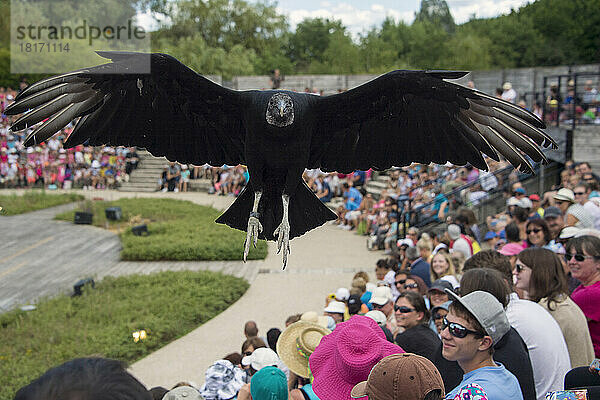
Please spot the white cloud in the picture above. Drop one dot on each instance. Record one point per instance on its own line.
(462, 10)
(355, 19)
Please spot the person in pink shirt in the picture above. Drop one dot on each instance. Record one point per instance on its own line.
(583, 259)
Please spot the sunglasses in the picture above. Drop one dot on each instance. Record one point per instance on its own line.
(437, 316)
(247, 353)
(410, 286)
(578, 193)
(534, 230)
(578, 257)
(403, 309)
(401, 282)
(377, 306)
(457, 330)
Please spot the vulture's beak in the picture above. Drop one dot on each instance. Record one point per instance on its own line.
(281, 111)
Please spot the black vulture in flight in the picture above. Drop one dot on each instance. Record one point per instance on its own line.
(396, 119)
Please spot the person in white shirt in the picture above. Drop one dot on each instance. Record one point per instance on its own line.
(581, 193)
(539, 330)
(509, 93)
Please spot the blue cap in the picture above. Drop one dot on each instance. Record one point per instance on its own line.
(490, 235)
(520, 190)
(270, 383)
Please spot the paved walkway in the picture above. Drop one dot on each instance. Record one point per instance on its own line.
(321, 261)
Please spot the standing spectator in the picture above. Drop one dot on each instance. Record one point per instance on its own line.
(386, 381)
(536, 326)
(185, 178)
(413, 316)
(583, 258)
(276, 79)
(539, 273)
(475, 323)
(508, 93)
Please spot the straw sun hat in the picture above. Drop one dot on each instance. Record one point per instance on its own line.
(297, 342)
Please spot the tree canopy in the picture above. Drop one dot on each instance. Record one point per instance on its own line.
(244, 37)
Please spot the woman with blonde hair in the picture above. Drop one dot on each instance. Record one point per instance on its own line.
(442, 267)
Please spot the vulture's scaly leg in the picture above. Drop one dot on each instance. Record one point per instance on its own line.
(283, 231)
(254, 225)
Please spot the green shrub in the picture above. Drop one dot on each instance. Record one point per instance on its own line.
(101, 321)
(178, 230)
(34, 200)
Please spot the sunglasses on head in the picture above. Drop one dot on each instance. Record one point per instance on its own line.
(457, 330)
(403, 309)
(534, 230)
(400, 282)
(578, 257)
(410, 286)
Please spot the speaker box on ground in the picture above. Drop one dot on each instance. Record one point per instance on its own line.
(83, 217)
(113, 213)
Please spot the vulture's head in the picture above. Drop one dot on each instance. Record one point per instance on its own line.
(280, 110)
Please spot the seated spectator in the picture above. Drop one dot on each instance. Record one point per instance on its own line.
(437, 293)
(582, 192)
(536, 326)
(383, 301)
(355, 306)
(576, 215)
(583, 258)
(459, 241)
(413, 316)
(336, 310)
(261, 358)
(539, 273)
(85, 379)
(334, 363)
(222, 381)
(272, 337)
(250, 329)
(269, 383)
(475, 323)
(438, 314)
(418, 266)
(386, 381)
(296, 343)
(185, 392)
(442, 267)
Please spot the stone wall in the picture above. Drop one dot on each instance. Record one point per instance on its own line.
(526, 81)
(586, 145)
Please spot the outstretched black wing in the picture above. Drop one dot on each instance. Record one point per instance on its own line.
(172, 111)
(416, 116)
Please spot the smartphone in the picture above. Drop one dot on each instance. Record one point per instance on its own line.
(567, 395)
(595, 364)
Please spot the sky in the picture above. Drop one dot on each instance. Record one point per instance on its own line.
(360, 15)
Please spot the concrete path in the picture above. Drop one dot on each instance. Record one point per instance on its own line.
(321, 261)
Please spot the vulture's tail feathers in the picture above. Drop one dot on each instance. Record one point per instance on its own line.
(306, 212)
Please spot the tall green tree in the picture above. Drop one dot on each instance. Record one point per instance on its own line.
(436, 12)
(310, 41)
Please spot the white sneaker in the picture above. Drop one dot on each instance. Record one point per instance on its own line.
(176, 190)
(164, 190)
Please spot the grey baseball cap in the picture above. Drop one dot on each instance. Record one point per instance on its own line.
(487, 310)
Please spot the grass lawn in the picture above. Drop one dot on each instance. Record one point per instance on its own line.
(166, 305)
(178, 230)
(34, 200)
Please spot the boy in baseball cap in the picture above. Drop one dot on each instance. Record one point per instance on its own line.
(474, 323)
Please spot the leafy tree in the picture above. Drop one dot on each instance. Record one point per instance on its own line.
(436, 12)
(310, 41)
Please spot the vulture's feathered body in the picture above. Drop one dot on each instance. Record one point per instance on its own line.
(396, 119)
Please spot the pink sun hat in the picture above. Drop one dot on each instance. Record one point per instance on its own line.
(346, 356)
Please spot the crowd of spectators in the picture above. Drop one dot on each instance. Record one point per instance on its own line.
(51, 166)
(524, 325)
